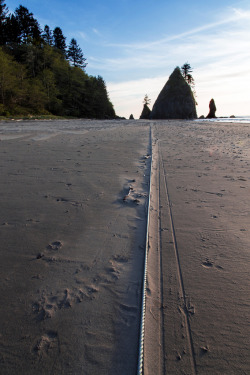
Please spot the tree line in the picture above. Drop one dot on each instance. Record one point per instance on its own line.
(40, 74)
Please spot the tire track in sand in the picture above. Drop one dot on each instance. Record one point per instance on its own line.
(178, 342)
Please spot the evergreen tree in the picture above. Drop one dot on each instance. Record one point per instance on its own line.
(75, 55)
(29, 29)
(186, 71)
(146, 100)
(59, 40)
(12, 31)
(3, 10)
(3, 16)
(47, 35)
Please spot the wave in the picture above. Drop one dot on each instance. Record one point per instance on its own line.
(237, 119)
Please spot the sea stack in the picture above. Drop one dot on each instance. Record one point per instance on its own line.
(212, 109)
(176, 100)
(146, 112)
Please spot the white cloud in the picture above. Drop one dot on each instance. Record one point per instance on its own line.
(95, 31)
(82, 35)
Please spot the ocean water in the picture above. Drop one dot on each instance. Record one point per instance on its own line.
(239, 119)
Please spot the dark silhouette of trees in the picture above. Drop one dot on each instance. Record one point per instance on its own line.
(186, 71)
(59, 40)
(146, 100)
(3, 16)
(28, 27)
(75, 55)
(3, 10)
(47, 35)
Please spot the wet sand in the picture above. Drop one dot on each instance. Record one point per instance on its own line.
(73, 221)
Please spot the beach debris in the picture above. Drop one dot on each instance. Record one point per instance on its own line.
(212, 109)
(204, 349)
(178, 357)
(127, 195)
(39, 256)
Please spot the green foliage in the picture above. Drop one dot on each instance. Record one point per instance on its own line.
(36, 77)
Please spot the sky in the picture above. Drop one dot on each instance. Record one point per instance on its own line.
(136, 44)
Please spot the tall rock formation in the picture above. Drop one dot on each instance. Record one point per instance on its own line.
(146, 112)
(176, 100)
(212, 109)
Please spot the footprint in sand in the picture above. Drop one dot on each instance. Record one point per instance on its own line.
(46, 307)
(207, 264)
(47, 343)
(127, 314)
(56, 245)
(116, 265)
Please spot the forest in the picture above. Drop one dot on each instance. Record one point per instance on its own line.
(41, 75)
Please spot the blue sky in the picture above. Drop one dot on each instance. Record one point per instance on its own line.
(135, 45)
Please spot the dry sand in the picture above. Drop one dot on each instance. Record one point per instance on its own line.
(73, 222)
(200, 247)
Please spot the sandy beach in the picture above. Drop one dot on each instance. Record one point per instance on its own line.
(74, 197)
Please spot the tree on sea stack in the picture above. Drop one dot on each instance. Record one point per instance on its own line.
(186, 71)
(176, 99)
(146, 111)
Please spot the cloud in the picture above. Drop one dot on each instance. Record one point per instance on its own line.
(95, 31)
(82, 35)
(232, 16)
(219, 53)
